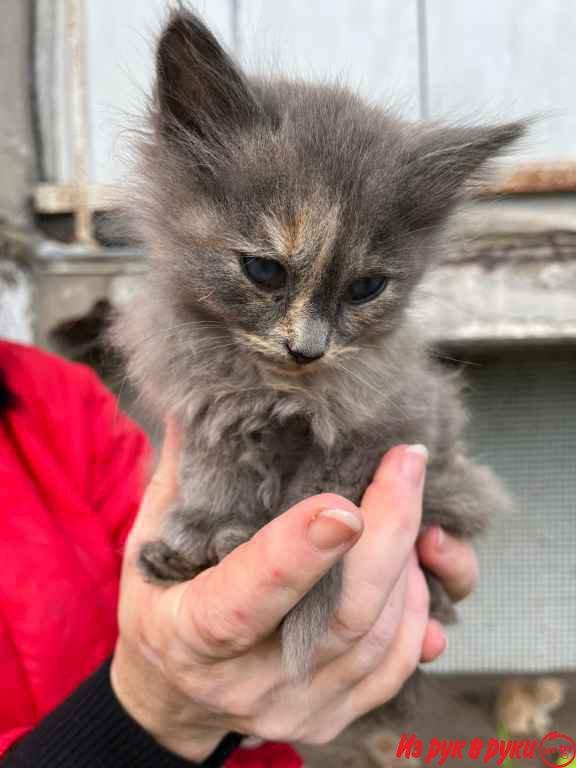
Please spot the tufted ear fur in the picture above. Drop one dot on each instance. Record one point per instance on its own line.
(200, 92)
(439, 163)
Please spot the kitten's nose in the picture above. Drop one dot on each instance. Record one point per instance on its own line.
(303, 358)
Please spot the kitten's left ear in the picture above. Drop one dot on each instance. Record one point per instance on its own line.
(199, 88)
(441, 163)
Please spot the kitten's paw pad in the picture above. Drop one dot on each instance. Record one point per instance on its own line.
(160, 564)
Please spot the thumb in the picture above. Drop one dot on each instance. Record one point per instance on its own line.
(161, 492)
(229, 608)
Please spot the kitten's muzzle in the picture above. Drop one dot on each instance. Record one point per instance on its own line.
(309, 338)
(303, 357)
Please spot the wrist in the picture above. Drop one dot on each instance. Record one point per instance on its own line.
(167, 714)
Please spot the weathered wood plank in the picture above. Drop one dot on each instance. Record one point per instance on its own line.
(495, 289)
(120, 40)
(62, 198)
(540, 177)
(369, 44)
(503, 59)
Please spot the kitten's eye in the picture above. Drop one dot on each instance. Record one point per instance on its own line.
(265, 273)
(365, 289)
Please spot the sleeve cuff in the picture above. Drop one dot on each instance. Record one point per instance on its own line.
(92, 729)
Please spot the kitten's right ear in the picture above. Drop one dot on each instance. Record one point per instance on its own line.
(199, 89)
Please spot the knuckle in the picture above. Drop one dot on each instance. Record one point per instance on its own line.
(239, 704)
(220, 634)
(204, 690)
(287, 728)
(380, 636)
(274, 731)
(348, 631)
(322, 736)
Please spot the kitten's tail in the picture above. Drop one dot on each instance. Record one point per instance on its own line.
(308, 621)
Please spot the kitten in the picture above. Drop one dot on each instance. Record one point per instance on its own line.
(287, 227)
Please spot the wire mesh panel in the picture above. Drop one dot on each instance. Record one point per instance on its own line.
(523, 424)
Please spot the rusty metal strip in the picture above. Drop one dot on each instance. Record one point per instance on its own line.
(538, 177)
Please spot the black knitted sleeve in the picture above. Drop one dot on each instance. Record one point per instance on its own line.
(92, 730)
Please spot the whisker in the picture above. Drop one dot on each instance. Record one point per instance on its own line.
(442, 356)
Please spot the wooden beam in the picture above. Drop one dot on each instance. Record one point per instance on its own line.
(63, 198)
(539, 177)
(527, 179)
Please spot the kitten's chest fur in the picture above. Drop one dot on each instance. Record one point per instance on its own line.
(272, 448)
(265, 436)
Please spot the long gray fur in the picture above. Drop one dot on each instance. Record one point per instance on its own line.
(334, 189)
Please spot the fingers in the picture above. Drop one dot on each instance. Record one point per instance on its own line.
(392, 509)
(367, 653)
(452, 560)
(227, 609)
(404, 653)
(434, 643)
(161, 491)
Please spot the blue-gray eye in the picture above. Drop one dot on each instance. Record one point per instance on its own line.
(365, 289)
(265, 273)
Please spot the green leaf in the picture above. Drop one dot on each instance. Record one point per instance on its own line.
(503, 735)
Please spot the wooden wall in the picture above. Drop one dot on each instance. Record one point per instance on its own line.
(463, 59)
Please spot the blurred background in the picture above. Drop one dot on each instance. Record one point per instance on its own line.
(74, 75)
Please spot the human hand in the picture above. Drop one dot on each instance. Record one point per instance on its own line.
(452, 560)
(201, 658)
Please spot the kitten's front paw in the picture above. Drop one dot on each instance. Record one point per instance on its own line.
(160, 564)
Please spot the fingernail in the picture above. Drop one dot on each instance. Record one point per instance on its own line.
(331, 528)
(439, 539)
(414, 462)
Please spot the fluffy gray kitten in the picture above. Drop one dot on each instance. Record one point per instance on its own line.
(287, 227)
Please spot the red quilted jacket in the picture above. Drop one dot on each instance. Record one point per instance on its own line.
(71, 476)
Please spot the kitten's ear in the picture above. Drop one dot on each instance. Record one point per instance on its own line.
(443, 163)
(199, 89)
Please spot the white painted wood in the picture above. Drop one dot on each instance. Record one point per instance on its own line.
(492, 59)
(513, 302)
(63, 198)
(371, 45)
(120, 59)
(503, 59)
